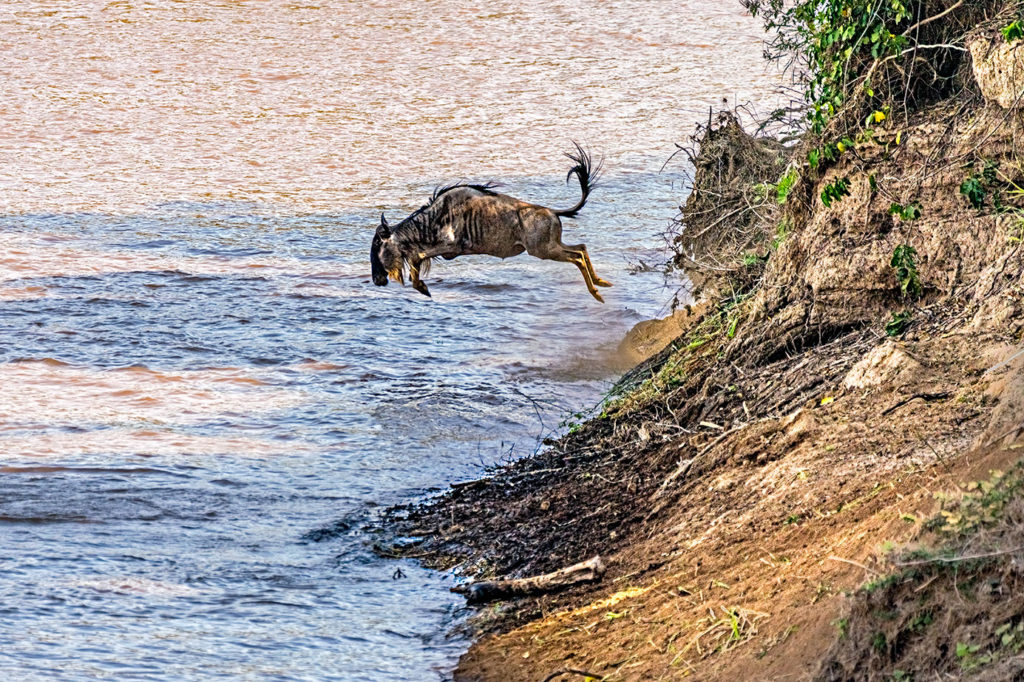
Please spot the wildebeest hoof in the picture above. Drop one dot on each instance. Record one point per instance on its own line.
(422, 288)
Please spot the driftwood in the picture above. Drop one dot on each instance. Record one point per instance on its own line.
(587, 571)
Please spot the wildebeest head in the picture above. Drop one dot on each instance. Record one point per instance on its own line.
(385, 257)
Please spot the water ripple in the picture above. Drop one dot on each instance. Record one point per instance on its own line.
(204, 395)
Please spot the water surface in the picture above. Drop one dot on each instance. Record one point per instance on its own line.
(203, 395)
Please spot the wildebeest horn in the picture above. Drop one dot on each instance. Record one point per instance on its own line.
(384, 231)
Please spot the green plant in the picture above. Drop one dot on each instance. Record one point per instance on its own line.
(734, 624)
(974, 191)
(879, 643)
(785, 184)
(1013, 31)
(1011, 637)
(722, 321)
(835, 191)
(781, 232)
(898, 324)
(1016, 235)
(884, 582)
(977, 185)
(814, 158)
(980, 505)
(573, 421)
(921, 621)
(750, 260)
(969, 658)
(911, 211)
(906, 271)
(990, 172)
(836, 42)
(843, 625)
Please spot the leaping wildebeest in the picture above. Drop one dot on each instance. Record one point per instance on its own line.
(465, 219)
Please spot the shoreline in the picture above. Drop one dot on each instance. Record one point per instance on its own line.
(749, 486)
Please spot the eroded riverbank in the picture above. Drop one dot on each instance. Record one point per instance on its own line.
(746, 481)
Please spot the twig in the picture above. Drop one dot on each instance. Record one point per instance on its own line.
(1015, 428)
(925, 396)
(588, 571)
(931, 19)
(853, 563)
(934, 451)
(937, 46)
(684, 468)
(957, 559)
(1005, 362)
(571, 671)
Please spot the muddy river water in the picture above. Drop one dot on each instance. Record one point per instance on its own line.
(202, 395)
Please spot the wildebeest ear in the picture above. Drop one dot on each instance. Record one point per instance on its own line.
(384, 231)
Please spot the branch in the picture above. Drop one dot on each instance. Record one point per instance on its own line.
(571, 671)
(588, 571)
(931, 19)
(927, 397)
(955, 559)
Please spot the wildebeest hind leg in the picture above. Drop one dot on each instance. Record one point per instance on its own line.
(577, 260)
(561, 253)
(582, 250)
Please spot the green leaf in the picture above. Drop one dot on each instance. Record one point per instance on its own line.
(898, 324)
(1013, 31)
(785, 184)
(974, 191)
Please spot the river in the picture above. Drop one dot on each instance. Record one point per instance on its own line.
(203, 396)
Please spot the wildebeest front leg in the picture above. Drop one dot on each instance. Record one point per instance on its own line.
(414, 277)
(582, 250)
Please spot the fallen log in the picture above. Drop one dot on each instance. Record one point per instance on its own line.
(587, 571)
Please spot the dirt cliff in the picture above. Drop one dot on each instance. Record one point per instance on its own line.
(746, 483)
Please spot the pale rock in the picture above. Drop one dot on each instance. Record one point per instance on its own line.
(886, 364)
(999, 70)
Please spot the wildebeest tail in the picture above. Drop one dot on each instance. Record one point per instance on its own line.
(587, 171)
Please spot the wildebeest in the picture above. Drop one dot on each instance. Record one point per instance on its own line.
(474, 219)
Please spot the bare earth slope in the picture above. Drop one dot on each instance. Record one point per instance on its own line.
(753, 476)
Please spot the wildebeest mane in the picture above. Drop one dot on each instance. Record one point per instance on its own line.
(439, 191)
(486, 188)
(420, 218)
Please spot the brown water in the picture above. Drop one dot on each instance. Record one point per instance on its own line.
(203, 395)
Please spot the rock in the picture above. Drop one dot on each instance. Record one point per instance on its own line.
(886, 364)
(999, 70)
(649, 337)
(1006, 388)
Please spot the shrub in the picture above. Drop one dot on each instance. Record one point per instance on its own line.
(906, 271)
